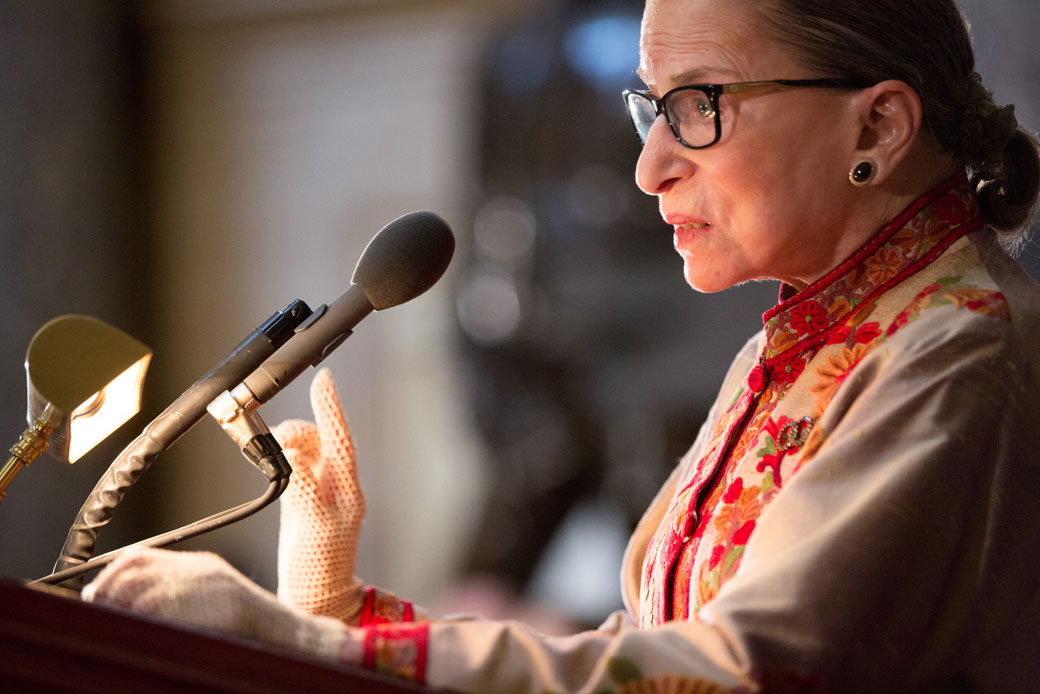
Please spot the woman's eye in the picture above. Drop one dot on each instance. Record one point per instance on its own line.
(705, 111)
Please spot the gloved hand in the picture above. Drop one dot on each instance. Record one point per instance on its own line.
(322, 510)
(203, 589)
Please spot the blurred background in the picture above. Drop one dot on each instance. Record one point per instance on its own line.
(184, 169)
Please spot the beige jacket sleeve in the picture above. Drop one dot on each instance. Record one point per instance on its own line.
(900, 558)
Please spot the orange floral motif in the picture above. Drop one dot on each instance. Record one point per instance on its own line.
(707, 587)
(962, 297)
(993, 305)
(884, 265)
(862, 311)
(982, 301)
(839, 307)
(783, 340)
(712, 500)
(770, 393)
(907, 239)
(834, 371)
(746, 439)
(934, 233)
(742, 505)
(856, 277)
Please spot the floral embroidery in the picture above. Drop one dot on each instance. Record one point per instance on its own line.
(782, 341)
(716, 555)
(867, 333)
(771, 455)
(908, 243)
(945, 291)
(839, 307)
(907, 240)
(835, 369)
(380, 607)
(787, 369)
(861, 335)
(808, 318)
(950, 208)
(884, 265)
(742, 506)
(981, 301)
(397, 649)
(827, 328)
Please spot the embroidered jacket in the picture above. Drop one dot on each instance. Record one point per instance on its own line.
(857, 514)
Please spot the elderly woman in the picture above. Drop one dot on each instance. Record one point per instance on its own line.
(857, 514)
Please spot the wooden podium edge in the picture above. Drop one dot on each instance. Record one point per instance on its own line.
(52, 643)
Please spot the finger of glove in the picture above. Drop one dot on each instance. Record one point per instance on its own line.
(299, 438)
(337, 480)
(302, 448)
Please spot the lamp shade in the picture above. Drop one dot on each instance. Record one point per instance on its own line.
(84, 380)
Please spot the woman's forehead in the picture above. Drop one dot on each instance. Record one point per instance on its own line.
(687, 41)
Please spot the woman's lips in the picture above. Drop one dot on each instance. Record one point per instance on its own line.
(687, 230)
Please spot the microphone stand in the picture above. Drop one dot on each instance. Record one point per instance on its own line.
(278, 471)
(403, 260)
(162, 432)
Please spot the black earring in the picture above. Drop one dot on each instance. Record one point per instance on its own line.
(863, 173)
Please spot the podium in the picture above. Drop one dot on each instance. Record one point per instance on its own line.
(54, 643)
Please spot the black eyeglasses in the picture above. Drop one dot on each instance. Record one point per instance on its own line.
(692, 111)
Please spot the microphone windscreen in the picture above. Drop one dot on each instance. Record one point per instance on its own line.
(404, 259)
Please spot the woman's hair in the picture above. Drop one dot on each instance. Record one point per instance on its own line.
(926, 44)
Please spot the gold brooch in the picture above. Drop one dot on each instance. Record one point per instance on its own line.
(794, 434)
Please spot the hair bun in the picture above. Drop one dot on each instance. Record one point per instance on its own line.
(986, 130)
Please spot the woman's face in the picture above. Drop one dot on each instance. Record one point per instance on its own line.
(770, 198)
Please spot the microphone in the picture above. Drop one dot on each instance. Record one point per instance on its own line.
(401, 262)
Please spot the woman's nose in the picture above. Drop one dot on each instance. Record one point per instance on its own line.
(661, 164)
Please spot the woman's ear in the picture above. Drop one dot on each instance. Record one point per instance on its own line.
(890, 114)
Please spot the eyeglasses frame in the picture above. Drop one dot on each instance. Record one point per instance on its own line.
(712, 91)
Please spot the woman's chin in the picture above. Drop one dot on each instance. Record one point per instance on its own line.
(706, 278)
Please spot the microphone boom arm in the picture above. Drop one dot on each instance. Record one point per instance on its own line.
(167, 428)
(264, 453)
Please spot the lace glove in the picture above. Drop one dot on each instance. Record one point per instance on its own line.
(203, 589)
(322, 510)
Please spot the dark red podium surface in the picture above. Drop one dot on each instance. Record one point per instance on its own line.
(53, 643)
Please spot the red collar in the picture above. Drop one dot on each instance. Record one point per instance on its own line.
(908, 243)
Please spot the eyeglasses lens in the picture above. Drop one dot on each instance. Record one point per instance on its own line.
(689, 110)
(642, 113)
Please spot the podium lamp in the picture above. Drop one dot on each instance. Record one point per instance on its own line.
(84, 380)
